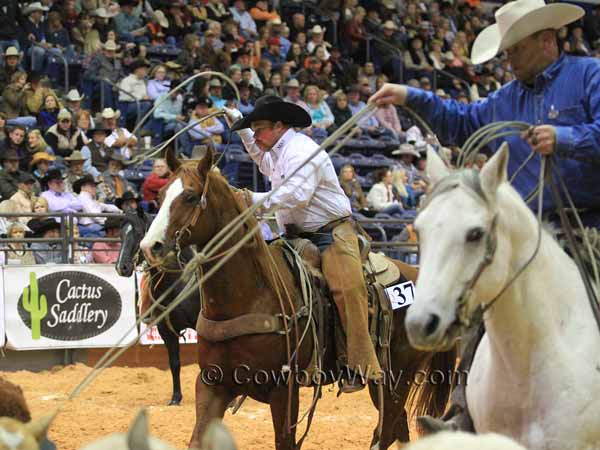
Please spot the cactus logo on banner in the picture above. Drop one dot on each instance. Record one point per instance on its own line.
(69, 306)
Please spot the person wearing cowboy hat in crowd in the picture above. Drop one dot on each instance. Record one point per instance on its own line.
(17, 252)
(59, 200)
(247, 100)
(128, 24)
(314, 204)
(63, 137)
(557, 93)
(316, 38)
(35, 30)
(108, 252)
(15, 142)
(135, 85)
(129, 203)
(215, 93)
(11, 22)
(120, 140)
(37, 90)
(10, 174)
(75, 169)
(40, 164)
(12, 56)
(73, 103)
(44, 252)
(96, 152)
(387, 47)
(293, 94)
(112, 184)
(23, 198)
(85, 188)
(208, 131)
(103, 65)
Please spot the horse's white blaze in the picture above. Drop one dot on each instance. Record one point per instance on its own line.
(536, 373)
(158, 229)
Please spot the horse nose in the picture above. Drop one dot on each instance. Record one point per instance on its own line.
(421, 329)
(431, 324)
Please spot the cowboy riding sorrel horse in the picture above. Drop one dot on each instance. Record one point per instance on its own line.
(234, 354)
(536, 373)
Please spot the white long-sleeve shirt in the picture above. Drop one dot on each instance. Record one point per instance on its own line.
(92, 206)
(311, 198)
(135, 86)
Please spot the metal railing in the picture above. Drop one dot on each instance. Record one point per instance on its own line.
(55, 55)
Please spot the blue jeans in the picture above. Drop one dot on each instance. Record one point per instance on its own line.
(25, 121)
(395, 210)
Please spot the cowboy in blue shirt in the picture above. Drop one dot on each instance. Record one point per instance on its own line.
(558, 94)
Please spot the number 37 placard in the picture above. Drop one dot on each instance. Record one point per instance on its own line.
(401, 295)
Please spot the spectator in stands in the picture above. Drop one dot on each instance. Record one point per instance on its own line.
(273, 53)
(24, 196)
(39, 87)
(190, 58)
(383, 197)
(128, 25)
(73, 101)
(17, 252)
(85, 187)
(292, 89)
(388, 118)
(312, 74)
(14, 105)
(108, 252)
(355, 35)
(135, 85)
(75, 169)
(40, 205)
(370, 125)
(63, 137)
(209, 131)
(388, 50)
(154, 183)
(416, 61)
(407, 156)
(437, 56)
(37, 144)
(485, 85)
(216, 10)
(352, 188)
(59, 200)
(296, 56)
(58, 42)
(78, 253)
(246, 103)
(244, 19)
(260, 12)
(40, 164)
(316, 38)
(245, 62)
(15, 142)
(48, 114)
(159, 83)
(170, 115)
(320, 113)
(340, 110)
(208, 54)
(129, 203)
(215, 90)
(112, 184)
(103, 65)
(83, 123)
(120, 140)
(34, 29)
(96, 152)
(44, 252)
(12, 57)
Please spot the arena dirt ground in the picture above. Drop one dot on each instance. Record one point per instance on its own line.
(111, 402)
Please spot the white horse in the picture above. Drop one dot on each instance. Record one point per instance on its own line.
(536, 373)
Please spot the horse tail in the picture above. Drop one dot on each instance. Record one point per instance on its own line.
(432, 385)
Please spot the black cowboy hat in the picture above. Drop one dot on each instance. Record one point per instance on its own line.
(203, 101)
(125, 198)
(25, 177)
(139, 63)
(99, 129)
(39, 227)
(116, 156)
(52, 174)
(86, 179)
(112, 222)
(275, 109)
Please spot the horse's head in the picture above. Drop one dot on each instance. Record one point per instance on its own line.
(195, 204)
(463, 257)
(132, 233)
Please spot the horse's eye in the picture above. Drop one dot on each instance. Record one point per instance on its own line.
(475, 234)
(190, 196)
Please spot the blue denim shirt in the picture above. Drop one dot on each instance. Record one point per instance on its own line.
(566, 95)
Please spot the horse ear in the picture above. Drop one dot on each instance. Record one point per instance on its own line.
(39, 427)
(172, 160)
(206, 163)
(137, 437)
(218, 436)
(436, 168)
(494, 172)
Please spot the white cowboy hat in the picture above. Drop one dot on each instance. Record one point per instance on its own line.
(109, 113)
(406, 149)
(12, 51)
(161, 19)
(517, 20)
(35, 6)
(103, 13)
(390, 25)
(317, 29)
(75, 96)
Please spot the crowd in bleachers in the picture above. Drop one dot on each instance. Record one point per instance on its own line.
(77, 76)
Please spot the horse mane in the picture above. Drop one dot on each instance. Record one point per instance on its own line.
(219, 188)
(466, 177)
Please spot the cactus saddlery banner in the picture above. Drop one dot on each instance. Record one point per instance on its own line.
(67, 306)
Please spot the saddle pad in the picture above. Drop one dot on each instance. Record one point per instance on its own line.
(385, 271)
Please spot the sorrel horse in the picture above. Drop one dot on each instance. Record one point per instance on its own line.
(536, 373)
(182, 317)
(247, 284)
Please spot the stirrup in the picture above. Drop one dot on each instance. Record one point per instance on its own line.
(350, 382)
